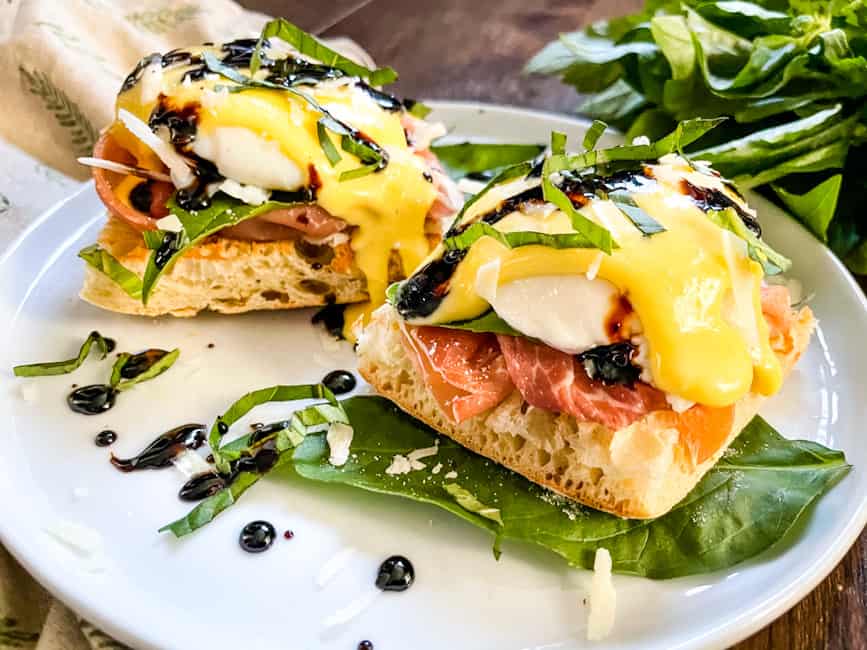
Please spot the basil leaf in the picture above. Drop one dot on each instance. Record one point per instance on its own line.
(465, 158)
(391, 293)
(772, 262)
(119, 363)
(223, 212)
(593, 134)
(65, 367)
(104, 262)
(212, 506)
(155, 370)
(747, 503)
(489, 322)
(358, 172)
(816, 207)
(327, 145)
(793, 75)
(515, 239)
(416, 108)
(639, 218)
(154, 238)
(598, 236)
(309, 45)
(468, 501)
(558, 143)
(509, 173)
(684, 134)
(246, 403)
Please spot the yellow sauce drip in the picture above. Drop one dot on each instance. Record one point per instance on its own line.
(680, 282)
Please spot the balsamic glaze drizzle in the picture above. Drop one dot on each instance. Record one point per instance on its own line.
(257, 536)
(141, 362)
(395, 574)
(105, 438)
(339, 381)
(611, 364)
(93, 399)
(164, 448)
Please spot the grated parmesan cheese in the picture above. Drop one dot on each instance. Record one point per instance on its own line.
(339, 439)
(603, 598)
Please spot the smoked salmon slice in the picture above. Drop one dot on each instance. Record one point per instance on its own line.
(465, 371)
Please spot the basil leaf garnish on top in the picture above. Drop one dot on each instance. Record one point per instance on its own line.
(685, 133)
(558, 143)
(104, 262)
(595, 234)
(327, 145)
(104, 345)
(223, 212)
(351, 141)
(282, 393)
(515, 239)
(772, 262)
(639, 218)
(509, 173)
(594, 133)
(309, 45)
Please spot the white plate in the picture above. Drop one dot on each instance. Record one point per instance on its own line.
(203, 591)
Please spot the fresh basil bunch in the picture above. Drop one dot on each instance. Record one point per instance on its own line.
(791, 76)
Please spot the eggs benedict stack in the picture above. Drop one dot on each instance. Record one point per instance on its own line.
(597, 322)
(263, 174)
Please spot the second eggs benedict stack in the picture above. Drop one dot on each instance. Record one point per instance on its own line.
(598, 322)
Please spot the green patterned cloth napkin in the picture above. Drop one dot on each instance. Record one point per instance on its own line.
(61, 65)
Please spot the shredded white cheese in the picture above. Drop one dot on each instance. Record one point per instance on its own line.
(400, 464)
(436, 468)
(451, 475)
(641, 139)
(120, 168)
(249, 194)
(593, 269)
(603, 598)
(171, 223)
(677, 403)
(469, 186)
(29, 391)
(182, 175)
(151, 82)
(339, 439)
(189, 463)
(424, 452)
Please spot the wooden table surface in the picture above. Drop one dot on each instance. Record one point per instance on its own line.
(475, 49)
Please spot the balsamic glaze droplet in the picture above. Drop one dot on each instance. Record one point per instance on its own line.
(141, 362)
(141, 197)
(105, 438)
(365, 645)
(92, 399)
(201, 486)
(222, 428)
(110, 344)
(395, 574)
(257, 536)
(288, 534)
(339, 381)
(161, 451)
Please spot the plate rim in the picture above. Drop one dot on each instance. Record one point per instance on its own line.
(725, 633)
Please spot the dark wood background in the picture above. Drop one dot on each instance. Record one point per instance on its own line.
(475, 49)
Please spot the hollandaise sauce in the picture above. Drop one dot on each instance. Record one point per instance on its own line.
(269, 141)
(693, 285)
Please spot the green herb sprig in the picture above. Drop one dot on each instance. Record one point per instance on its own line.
(46, 368)
(790, 76)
